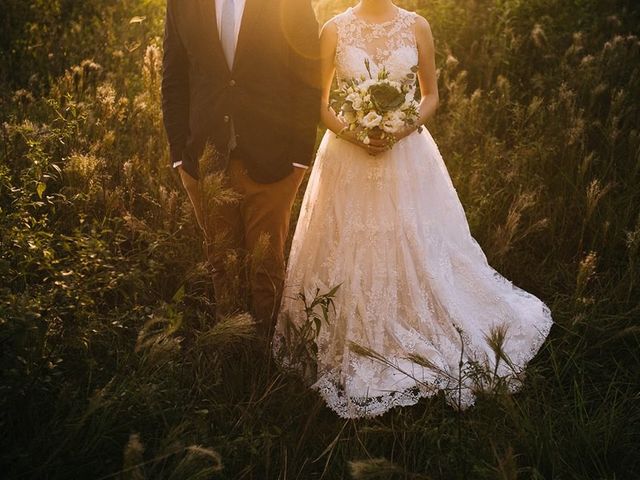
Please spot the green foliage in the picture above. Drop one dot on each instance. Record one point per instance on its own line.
(299, 349)
(111, 362)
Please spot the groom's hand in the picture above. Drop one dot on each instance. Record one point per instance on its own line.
(192, 187)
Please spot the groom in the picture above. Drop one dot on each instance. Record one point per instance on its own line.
(243, 77)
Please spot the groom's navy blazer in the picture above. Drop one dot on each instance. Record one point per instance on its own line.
(272, 93)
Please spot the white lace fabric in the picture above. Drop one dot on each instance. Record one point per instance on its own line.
(416, 289)
(390, 44)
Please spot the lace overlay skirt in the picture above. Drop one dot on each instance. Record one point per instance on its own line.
(417, 300)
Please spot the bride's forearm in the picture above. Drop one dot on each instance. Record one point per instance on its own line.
(330, 119)
(427, 108)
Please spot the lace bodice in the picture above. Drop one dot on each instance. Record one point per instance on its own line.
(390, 44)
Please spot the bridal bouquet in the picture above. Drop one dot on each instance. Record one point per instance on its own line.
(376, 107)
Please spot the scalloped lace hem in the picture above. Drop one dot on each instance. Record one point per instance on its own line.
(459, 397)
(346, 406)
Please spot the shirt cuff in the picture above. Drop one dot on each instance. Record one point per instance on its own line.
(299, 165)
(177, 164)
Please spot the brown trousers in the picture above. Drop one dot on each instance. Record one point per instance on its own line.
(257, 225)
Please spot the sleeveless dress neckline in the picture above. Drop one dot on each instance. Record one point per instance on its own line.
(374, 24)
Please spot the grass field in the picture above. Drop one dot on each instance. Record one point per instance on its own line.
(111, 365)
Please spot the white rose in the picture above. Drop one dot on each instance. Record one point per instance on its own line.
(393, 122)
(355, 100)
(371, 120)
(409, 99)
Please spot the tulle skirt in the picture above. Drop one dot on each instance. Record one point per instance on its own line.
(417, 309)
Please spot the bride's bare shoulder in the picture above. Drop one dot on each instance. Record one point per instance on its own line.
(338, 19)
(420, 21)
(330, 24)
(422, 24)
(422, 28)
(330, 28)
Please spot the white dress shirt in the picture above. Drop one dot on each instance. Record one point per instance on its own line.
(239, 4)
(238, 16)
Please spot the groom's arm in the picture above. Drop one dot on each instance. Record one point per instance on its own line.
(175, 91)
(175, 109)
(301, 30)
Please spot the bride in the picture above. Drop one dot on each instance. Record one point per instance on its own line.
(417, 308)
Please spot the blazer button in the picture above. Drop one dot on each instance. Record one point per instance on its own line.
(226, 119)
(232, 83)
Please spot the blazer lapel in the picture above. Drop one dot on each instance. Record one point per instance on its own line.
(251, 14)
(212, 38)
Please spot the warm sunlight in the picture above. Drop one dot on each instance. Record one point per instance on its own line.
(234, 248)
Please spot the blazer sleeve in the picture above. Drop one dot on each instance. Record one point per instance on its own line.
(175, 88)
(304, 62)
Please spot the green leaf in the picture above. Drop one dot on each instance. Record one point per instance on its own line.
(41, 188)
(368, 66)
(179, 295)
(333, 291)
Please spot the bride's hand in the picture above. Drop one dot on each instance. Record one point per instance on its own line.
(375, 146)
(405, 132)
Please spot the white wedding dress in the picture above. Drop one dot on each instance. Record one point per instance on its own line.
(415, 287)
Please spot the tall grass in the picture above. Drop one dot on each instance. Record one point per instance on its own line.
(112, 364)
